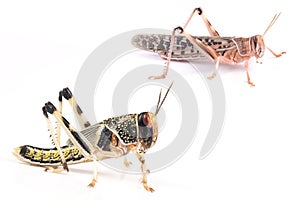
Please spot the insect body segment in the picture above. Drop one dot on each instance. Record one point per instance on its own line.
(125, 126)
(111, 138)
(48, 157)
(230, 50)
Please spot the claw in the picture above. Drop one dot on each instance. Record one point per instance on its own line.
(251, 84)
(212, 76)
(93, 183)
(149, 189)
(55, 170)
(278, 55)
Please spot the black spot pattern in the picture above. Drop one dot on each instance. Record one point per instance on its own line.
(125, 127)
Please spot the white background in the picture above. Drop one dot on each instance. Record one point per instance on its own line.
(43, 45)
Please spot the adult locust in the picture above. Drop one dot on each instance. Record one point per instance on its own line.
(230, 50)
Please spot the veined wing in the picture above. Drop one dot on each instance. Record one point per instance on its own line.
(183, 48)
(125, 128)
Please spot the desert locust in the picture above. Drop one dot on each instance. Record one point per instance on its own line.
(230, 50)
(110, 138)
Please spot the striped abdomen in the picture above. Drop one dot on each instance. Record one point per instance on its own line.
(48, 156)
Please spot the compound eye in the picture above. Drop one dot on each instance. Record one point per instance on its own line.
(146, 119)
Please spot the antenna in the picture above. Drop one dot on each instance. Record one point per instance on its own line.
(272, 23)
(159, 104)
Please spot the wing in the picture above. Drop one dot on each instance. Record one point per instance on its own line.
(183, 48)
(159, 43)
(125, 128)
(93, 133)
(112, 130)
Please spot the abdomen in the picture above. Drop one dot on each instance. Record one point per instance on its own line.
(48, 156)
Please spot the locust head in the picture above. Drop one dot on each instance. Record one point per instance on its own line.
(258, 46)
(257, 41)
(148, 129)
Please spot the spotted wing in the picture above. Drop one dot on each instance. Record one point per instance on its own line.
(125, 128)
(183, 48)
(121, 129)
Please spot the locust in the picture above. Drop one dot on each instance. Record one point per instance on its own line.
(182, 46)
(110, 138)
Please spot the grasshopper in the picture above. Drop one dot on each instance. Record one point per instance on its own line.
(230, 50)
(110, 138)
